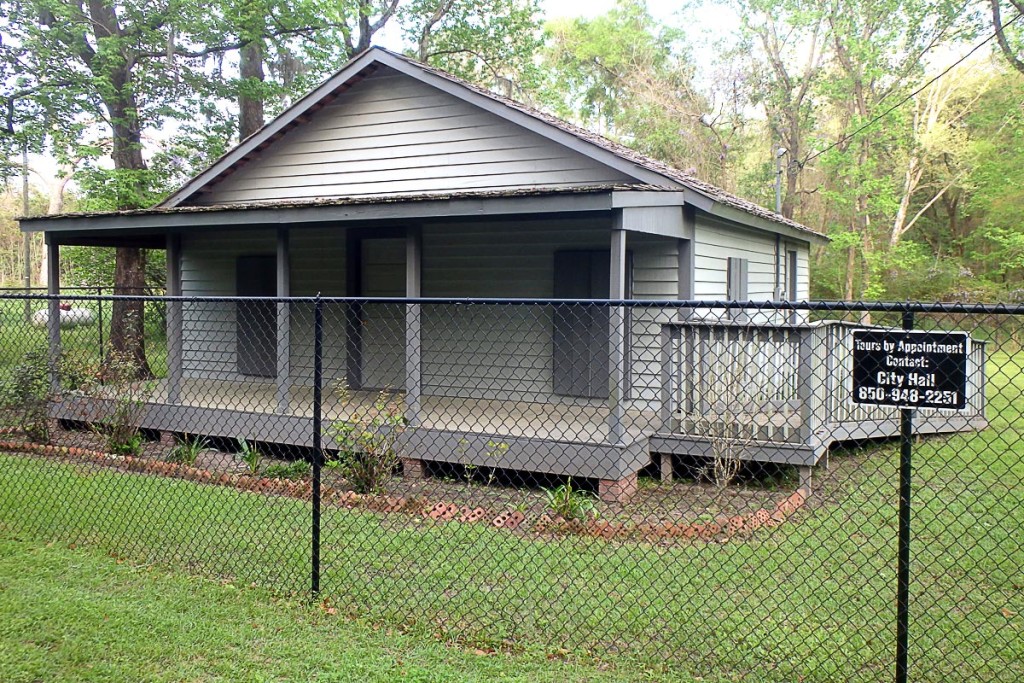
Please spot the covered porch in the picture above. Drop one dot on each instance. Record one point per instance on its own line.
(568, 388)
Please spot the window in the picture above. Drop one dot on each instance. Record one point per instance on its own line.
(736, 279)
(736, 286)
(791, 263)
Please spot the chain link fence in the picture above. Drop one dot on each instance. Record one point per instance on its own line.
(728, 490)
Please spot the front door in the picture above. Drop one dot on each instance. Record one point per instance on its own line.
(580, 350)
(256, 321)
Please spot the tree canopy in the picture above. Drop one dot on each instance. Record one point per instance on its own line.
(896, 123)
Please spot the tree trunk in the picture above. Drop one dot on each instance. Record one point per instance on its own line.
(127, 329)
(250, 101)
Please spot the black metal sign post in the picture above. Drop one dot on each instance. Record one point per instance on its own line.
(903, 550)
(318, 374)
(909, 370)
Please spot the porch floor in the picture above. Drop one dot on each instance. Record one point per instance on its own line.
(558, 419)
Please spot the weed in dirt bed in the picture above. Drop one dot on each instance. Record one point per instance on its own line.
(571, 504)
(251, 456)
(187, 450)
(298, 469)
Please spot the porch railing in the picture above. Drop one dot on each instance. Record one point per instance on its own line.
(775, 382)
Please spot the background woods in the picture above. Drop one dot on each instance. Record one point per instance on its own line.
(896, 125)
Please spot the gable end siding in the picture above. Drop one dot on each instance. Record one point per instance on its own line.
(391, 134)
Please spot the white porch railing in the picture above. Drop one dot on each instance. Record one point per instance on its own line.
(780, 383)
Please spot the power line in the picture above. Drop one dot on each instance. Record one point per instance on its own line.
(912, 95)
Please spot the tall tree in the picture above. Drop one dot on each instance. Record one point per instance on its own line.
(115, 62)
(879, 48)
(630, 78)
(791, 38)
(1008, 31)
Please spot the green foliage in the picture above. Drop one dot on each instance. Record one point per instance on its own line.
(251, 456)
(187, 450)
(631, 78)
(571, 504)
(25, 394)
(490, 42)
(366, 442)
(126, 396)
(298, 469)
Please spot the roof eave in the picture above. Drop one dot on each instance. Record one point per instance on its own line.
(736, 215)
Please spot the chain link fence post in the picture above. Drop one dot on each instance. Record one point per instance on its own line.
(903, 558)
(318, 377)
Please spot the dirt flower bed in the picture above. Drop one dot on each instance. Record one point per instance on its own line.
(681, 511)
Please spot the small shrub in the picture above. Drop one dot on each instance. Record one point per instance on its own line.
(119, 385)
(25, 393)
(571, 504)
(366, 443)
(127, 445)
(187, 451)
(251, 456)
(299, 469)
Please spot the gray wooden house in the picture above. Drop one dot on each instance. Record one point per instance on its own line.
(393, 179)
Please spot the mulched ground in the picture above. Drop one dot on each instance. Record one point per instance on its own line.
(685, 500)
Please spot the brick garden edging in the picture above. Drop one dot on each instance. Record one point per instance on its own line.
(719, 530)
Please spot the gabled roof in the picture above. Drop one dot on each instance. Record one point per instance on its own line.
(643, 169)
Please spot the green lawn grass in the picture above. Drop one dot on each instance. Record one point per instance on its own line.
(813, 600)
(76, 615)
(81, 344)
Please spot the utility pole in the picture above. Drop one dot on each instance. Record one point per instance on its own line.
(26, 237)
(779, 153)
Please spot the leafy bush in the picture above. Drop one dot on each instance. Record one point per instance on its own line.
(127, 395)
(571, 504)
(26, 395)
(297, 469)
(251, 456)
(187, 451)
(366, 443)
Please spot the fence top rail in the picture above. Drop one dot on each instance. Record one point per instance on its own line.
(807, 305)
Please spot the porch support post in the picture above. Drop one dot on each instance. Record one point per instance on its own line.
(687, 262)
(617, 336)
(53, 308)
(284, 380)
(413, 323)
(174, 314)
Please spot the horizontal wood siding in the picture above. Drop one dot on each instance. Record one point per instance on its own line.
(208, 269)
(716, 242)
(655, 277)
(391, 134)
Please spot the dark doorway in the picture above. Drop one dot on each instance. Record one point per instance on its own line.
(382, 333)
(256, 321)
(580, 335)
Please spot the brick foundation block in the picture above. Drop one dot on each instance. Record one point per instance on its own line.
(617, 490)
(168, 439)
(413, 468)
(666, 467)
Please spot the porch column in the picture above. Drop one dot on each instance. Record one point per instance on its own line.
(284, 380)
(53, 308)
(174, 315)
(617, 336)
(687, 262)
(413, 321)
